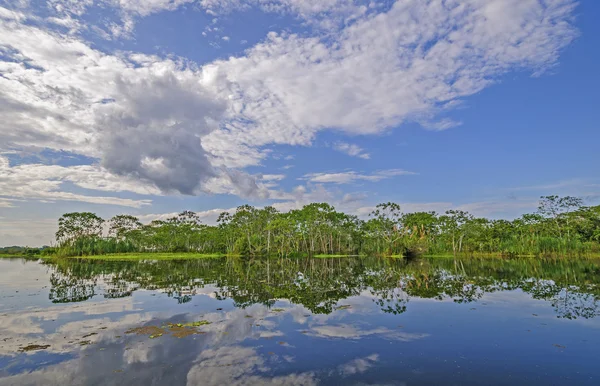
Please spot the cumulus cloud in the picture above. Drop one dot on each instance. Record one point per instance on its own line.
(181, 128)
(153, 124)
(143, 117)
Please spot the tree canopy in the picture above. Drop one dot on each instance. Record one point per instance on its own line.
(561, 226)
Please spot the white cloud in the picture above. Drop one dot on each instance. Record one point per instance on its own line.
(359, 365)
(207, 216)
(351, 176)
(351, 149)
(147, 7)
(273, 177)
(239, 365)
(6, 203)
(43, 182)
(179, 128)
(25, 326)
(74, 7)
(142, 116)
(405, 64)
(346, 331)
(323, 14)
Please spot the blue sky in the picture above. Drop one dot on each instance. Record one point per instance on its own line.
(153, 107)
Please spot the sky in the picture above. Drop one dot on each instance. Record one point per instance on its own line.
(151, 107)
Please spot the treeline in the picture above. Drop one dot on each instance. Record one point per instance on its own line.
(561, 226)
(21, 251)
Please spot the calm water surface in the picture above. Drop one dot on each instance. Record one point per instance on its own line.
(352, 321)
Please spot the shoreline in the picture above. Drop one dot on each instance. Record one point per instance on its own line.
(140, 256)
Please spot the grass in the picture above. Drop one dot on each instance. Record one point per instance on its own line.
(150, 256)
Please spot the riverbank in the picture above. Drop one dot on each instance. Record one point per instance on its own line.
(139, 256)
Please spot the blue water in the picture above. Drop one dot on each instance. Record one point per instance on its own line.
(326, 322)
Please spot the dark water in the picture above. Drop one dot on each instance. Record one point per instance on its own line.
(362, 321)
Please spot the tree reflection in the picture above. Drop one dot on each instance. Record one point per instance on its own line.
(571, 287)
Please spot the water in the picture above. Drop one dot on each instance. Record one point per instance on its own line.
(351, 321)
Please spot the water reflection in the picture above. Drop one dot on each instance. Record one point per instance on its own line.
(300, 322)
(572, 287)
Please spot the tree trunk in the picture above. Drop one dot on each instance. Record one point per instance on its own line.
(268, 241)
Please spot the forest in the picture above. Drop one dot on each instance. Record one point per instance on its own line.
(562, 226)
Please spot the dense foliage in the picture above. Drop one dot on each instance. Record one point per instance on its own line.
(561, 226)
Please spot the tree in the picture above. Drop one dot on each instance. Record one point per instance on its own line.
(386, 221)
(453, 223)
(77, 225)
(319, 228)
(553, 206)
(122, 225)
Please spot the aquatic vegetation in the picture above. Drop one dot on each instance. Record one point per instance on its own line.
(146, 330)
(177, 330)
(182, 332)
(343, 307)
(197, 324)
(34, 347)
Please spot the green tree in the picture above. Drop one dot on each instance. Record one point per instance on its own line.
(122, 225)
(77, 225)
(553, 207)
